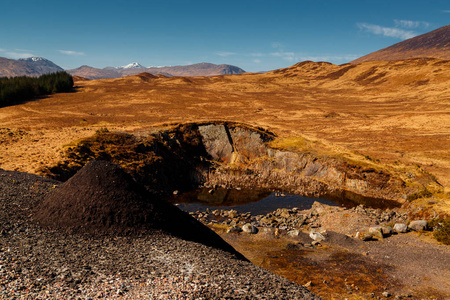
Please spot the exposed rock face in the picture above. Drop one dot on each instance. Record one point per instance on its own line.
(226, 154)
(246, 160)
(217, 142)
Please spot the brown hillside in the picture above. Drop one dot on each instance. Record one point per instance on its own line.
(435, 44)
(396, 112)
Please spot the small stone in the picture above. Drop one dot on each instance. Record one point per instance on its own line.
(376, 232)
(232, 213)
(249, 228)
(418, 225)
(308, 284)
(363, 236)
(317, 236)
(234, 229)
(386, 294)
(293, 233)
(387, 230)
(316, 243)
(318, 208)
(400, 228)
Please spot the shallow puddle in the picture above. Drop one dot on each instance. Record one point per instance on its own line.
(262, 202)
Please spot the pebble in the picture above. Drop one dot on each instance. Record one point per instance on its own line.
(316, 236)
(249, 228)
(386, 294)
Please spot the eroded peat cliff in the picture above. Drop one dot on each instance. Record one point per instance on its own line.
(227, 154)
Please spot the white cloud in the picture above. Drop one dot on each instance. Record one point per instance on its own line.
(329, 58)
(23, 50)
(387, 31)
(411, 24)
(257, 61)
(446, 11)
(16, 55)
(277, 45)
(257, 54)
(289, 56)
(69, 52)
(225, 53)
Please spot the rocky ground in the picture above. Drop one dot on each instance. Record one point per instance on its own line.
(38, 263)
(339, 253)
(336, 252)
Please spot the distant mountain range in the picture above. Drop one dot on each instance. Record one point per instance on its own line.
(202, 69)
(434, 44)
(33, 66)
(36, 66)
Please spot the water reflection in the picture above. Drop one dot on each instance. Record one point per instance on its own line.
(257, 201)
(246, 200)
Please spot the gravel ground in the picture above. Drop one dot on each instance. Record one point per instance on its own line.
(37, 263)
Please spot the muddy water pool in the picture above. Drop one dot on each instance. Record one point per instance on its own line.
(262, 201)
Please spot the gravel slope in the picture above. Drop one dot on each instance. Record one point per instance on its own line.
(38, 263)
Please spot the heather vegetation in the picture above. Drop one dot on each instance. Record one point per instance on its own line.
(17, 89)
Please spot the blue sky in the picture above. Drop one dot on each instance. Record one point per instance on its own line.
(255, 35)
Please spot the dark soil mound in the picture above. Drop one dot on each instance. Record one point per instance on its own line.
(102, 199)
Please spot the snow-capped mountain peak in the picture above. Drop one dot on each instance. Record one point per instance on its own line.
(134, 65)
(34, 58)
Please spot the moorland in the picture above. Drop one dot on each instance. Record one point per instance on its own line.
(387, 117)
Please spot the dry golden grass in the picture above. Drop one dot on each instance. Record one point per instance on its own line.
(395, 113)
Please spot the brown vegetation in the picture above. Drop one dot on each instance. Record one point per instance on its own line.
(434, 44)
(381, 113)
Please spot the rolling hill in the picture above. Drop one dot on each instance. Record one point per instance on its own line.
(434, 44)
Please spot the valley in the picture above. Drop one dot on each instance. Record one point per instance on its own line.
(377, 129)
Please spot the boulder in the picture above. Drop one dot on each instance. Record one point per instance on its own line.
(400, 228)
(418, 225)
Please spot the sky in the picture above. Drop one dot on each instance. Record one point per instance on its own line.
(256, 35)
